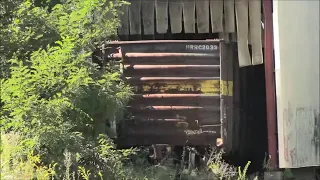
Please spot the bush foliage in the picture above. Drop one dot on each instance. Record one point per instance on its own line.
(52, 94)
(56, 104)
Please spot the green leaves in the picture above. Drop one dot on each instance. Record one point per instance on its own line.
(52, 93)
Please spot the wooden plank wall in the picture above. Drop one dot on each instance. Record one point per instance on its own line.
(234, 20)
(175, 14)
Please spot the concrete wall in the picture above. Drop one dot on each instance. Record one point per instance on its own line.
(296, 39)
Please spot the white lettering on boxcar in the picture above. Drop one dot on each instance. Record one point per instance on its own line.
(201, 47)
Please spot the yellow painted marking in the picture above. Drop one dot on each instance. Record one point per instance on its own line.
(226, 88)
(203, 86)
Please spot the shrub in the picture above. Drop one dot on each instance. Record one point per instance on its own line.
(55, 98)
(18, 164)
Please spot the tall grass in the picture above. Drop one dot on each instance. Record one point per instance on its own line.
(16, 165)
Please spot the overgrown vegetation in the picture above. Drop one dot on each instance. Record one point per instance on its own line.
(52, 95)
(111, 164)
(56, 104)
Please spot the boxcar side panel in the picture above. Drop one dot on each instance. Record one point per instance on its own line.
(177, 90)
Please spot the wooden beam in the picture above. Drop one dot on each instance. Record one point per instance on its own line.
(202, 8)
(148, 16)
(242, 32)
(135, 17)
(175, 12)
(216, 8)
(162, 16)
(189, 8)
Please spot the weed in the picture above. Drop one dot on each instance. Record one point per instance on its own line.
(16, 165)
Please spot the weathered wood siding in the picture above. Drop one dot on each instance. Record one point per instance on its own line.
(236, 20)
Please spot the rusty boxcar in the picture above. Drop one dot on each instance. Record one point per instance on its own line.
(192, 90)
(188, 88)
(182, 91)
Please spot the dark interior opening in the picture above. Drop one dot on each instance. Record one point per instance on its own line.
(252, 142)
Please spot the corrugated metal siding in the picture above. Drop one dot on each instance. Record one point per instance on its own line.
(177, 90)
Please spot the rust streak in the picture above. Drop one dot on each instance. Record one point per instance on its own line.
(159, 108)
(164, 41)
(205, 67)
(159, 119)
(171, 78)
(174, 95)
(164, 55)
